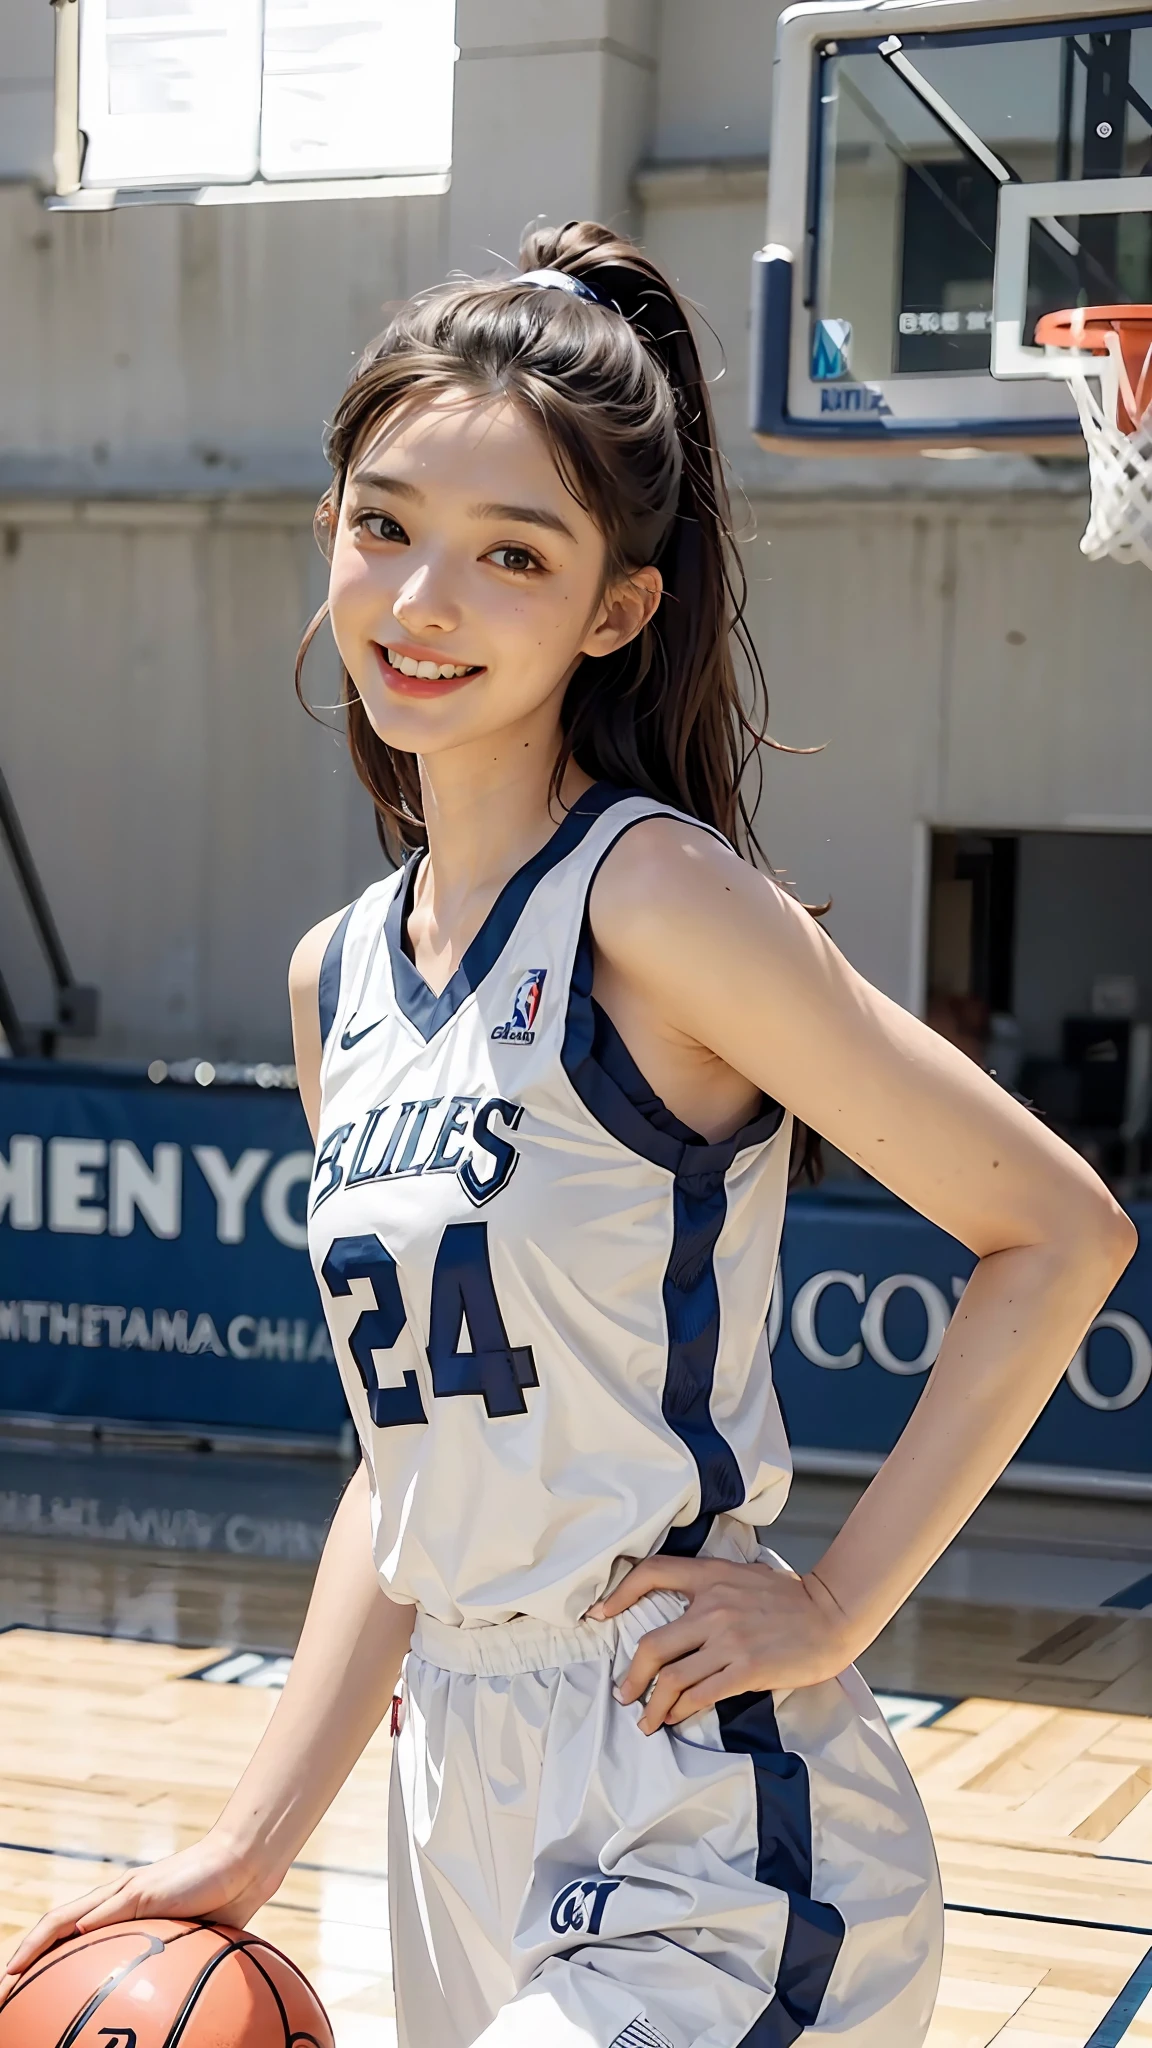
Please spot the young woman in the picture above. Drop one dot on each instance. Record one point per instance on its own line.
(640, 1797)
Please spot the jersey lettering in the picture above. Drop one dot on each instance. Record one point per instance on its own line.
(454, 1125)
(407, 1158)
(487, 1141)
(393, 1141)
(579, 1908)
(328, 1157)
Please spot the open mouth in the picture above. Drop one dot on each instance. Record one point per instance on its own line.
(415, 676)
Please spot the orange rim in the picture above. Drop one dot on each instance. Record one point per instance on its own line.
(1088, 328)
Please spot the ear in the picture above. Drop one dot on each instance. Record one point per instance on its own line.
(624, 611)
(324, 523)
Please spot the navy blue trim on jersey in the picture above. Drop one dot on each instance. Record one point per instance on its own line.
(815, 1931)
(614, 1091)
(611, 1086)
(328, 991)
(429, 1013)
(692, 1309)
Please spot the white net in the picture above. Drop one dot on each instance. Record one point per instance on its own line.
(1119, 464)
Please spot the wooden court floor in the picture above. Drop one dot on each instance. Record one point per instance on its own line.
(1036, 1770)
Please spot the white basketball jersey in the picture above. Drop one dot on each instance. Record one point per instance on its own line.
(547, 1296)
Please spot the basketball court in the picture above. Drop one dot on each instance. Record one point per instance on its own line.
(134, 1684)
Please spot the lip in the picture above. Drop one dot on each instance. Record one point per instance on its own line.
(419, 686)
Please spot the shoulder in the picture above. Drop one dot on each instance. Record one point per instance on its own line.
(305, 982)
(668, 879)
(306, 964)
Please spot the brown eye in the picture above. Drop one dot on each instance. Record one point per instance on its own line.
(390, 529)
(516, 559)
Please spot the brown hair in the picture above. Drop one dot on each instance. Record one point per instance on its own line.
(616, 386)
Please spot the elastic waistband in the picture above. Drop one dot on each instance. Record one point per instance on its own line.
(506, 1646)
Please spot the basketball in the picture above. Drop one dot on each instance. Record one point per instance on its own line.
(151, 1983)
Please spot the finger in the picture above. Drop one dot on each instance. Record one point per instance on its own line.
(653, 1575)
(674, 1682)
(124, 1904)
(659, 1647)
(55, 1926)
(697, 1699)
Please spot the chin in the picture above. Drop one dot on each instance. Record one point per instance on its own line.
(423, 726)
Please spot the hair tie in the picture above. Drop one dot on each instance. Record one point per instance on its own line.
(557, 280)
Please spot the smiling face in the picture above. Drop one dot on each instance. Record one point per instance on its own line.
(466, 581)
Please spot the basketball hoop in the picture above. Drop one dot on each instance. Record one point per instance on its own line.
(1117, 423)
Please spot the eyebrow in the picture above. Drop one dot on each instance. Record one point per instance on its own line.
(524, 515)
(375, 480)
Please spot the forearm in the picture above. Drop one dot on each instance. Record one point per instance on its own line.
(1017, 1325)
(342, 1679)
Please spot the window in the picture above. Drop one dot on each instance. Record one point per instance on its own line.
(255, 94)
(1040, 968)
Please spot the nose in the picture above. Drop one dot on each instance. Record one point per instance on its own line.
(425, 604)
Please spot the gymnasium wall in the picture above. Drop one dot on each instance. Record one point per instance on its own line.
(164, 374)
(189, 820)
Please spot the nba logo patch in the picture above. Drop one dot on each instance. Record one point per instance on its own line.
(525, 1006)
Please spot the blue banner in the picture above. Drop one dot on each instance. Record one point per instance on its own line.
(153, 1269)
(152, 1255)
(864, 1294)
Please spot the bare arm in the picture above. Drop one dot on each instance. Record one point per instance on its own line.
(342, 1678)
(731, 963)
(304, 997)
(337, 1693)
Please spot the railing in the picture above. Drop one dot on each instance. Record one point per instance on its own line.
(77, 1007)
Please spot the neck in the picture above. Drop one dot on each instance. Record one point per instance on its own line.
(488, 809)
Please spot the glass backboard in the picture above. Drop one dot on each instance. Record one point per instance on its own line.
(905, 141)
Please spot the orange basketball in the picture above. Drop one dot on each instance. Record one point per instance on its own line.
(164, 1984)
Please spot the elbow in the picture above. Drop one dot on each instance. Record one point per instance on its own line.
(1125, 1238)
(1106, 1240)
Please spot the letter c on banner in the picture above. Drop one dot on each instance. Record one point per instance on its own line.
(1140, 1372)
(872, 1322)
(241, 1336)
(804, 1320)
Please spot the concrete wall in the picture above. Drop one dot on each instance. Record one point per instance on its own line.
(959, 664)
(164, 374)
(188, 818)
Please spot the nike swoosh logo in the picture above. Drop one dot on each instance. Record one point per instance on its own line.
(350, 1038)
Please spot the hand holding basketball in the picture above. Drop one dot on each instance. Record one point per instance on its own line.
(211, 1880)
(140, 1983)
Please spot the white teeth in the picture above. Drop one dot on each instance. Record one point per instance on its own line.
(429, 671)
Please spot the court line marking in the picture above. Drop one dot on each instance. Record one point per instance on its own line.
(144, 1862)
(380, 1877)
(1043, 1919)
(1124, 2007)
(1134, 1597)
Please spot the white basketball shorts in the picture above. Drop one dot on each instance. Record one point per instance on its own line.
(760, 1875)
